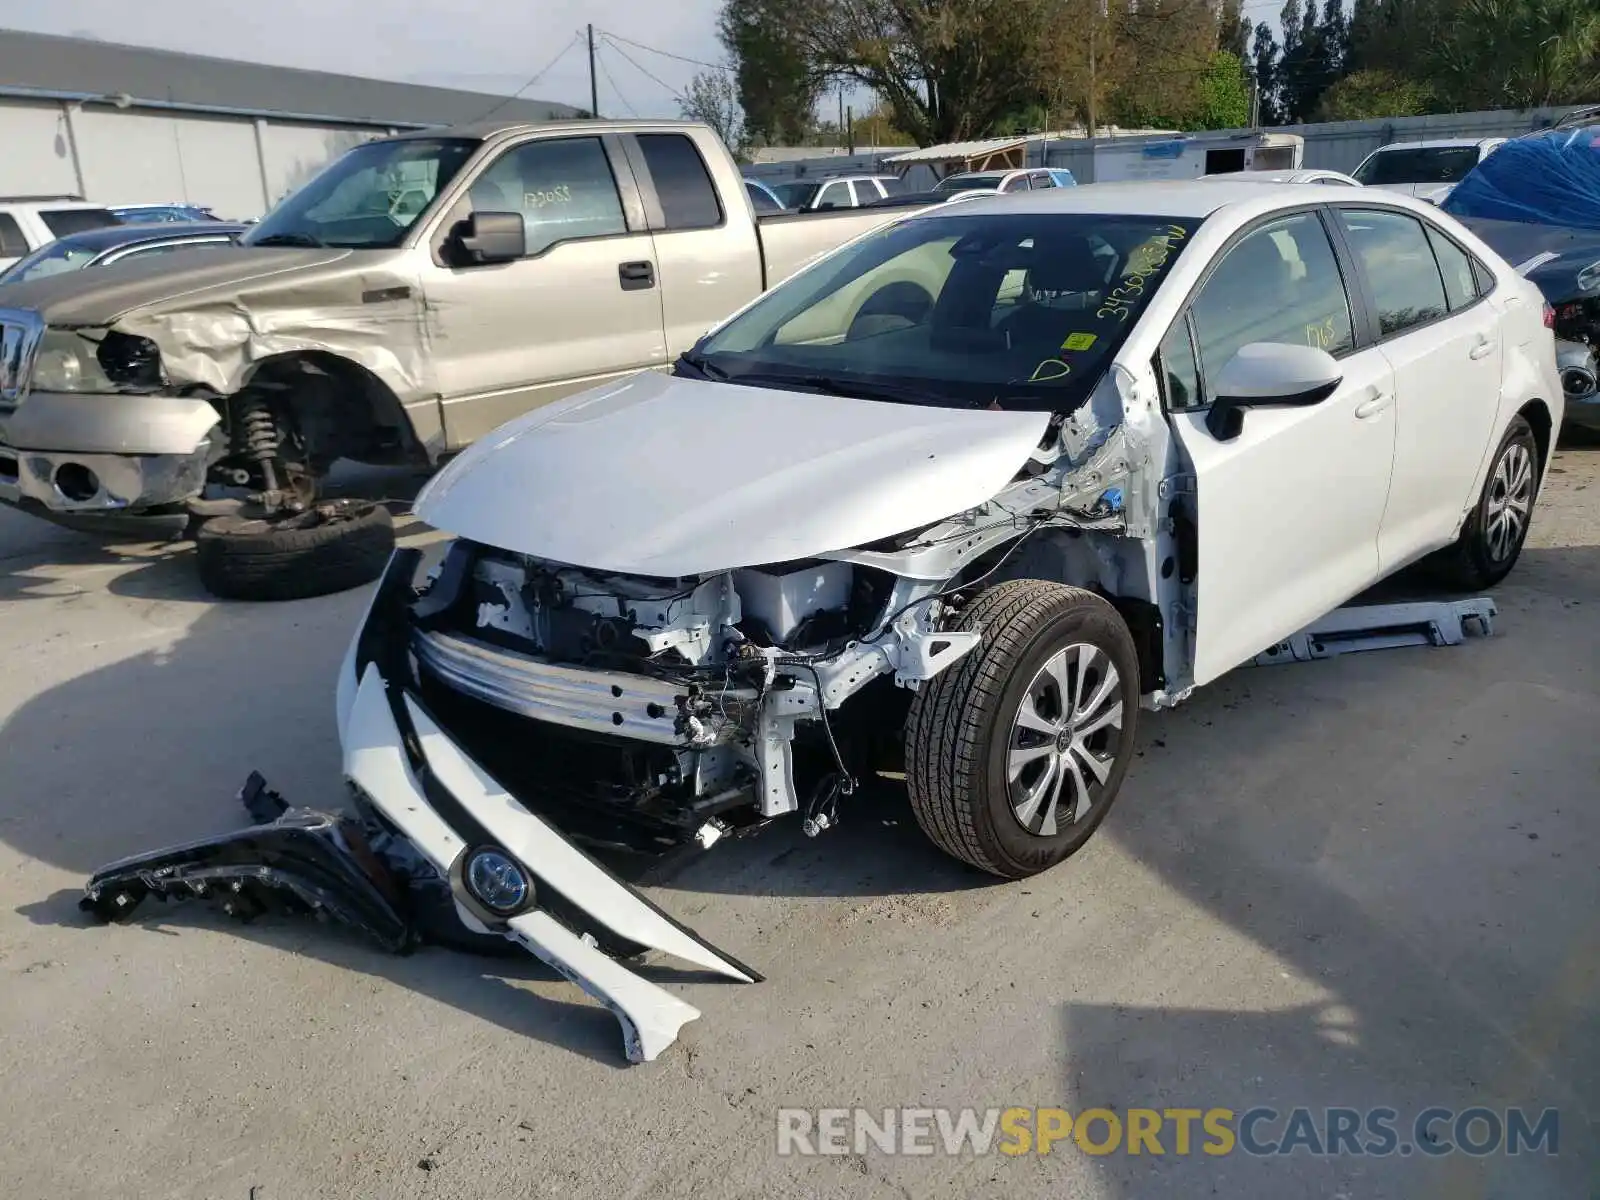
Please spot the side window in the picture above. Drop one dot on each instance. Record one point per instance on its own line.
(12, 243)
(1405, 279)
(1484, 277)
(562, 188)
(1177, 370)
(833, 195)
(1455, 264)
(891, 185)
(1281, 283)
(1040, 179)
(164, 248)
(688, 200)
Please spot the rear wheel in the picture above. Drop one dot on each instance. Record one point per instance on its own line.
(1016, 753)
(1492, 538)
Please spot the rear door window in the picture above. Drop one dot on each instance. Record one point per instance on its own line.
(1400, 268)
(892, 186)
(63, 221)
(1455, 264)
(683, 185)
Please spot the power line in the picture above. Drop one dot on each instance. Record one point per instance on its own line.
(672, 91)
(535, 77)
(667, 54)
(606, 72)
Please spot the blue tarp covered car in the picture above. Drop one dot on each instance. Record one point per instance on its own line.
(1536, 201)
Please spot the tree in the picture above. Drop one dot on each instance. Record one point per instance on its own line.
(778, 89)
(1264, 73)
(1518, 53)
(1223, 101)
(1365, 95)
(713, 97)
(1233, 30)
(949, 68)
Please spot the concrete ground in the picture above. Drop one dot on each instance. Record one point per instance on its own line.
(1364, 882)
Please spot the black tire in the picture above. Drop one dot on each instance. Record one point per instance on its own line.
(961, 731)
(1479, 560)
(336, 546)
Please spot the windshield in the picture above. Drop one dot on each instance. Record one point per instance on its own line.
(1013, 310)
(367, 199)
(1436, 164)
(969, 183)
(64, 222)
(51, 259)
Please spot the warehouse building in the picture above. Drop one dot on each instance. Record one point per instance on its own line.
(128, 125)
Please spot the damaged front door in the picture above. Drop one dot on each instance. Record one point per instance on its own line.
(582, 303)
(1288, 504)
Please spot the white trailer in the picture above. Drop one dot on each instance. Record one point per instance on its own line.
(1189, 156)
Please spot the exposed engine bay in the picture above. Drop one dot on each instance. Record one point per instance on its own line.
(647, 712)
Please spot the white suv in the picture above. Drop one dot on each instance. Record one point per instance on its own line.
(838, 191)
(25, 225)
(1426, 170)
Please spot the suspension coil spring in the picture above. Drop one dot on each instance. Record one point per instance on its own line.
(258, 432)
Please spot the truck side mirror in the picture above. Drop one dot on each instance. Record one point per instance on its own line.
(491, 237)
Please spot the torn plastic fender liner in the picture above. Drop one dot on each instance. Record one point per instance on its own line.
(411, 788)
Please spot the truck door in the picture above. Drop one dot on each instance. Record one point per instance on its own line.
(582, 305)
(1287, 513)
(710, 259)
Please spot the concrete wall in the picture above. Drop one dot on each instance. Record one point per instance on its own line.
(237, 165)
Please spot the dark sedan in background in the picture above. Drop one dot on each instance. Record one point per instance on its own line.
(113, 244)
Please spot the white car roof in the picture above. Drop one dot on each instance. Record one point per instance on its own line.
(1438, 144)
(1296, 175)
(1180, 198)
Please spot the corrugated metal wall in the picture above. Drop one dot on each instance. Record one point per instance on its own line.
(236, 165)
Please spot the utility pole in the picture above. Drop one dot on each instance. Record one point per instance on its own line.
(594, 87)
(841, 116)
(850, 129)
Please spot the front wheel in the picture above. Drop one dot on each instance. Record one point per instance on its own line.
(335, 546)
(1492, 537)
(1016, 753)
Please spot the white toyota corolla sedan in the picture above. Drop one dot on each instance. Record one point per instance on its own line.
(955, 502)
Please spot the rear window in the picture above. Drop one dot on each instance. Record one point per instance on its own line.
(892, 185)
(683, 185)
(63, 221)
(1437, 164)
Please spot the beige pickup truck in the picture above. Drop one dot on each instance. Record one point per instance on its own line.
(417, 293)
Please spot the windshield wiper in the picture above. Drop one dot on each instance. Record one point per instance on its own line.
(885, 392)
(701, 366)
(291, 239)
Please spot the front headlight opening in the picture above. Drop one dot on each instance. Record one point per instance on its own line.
(90, 361)
(497, 881)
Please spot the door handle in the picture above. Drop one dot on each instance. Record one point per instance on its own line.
(1374, 404)
(1482, 348)
(636, 276)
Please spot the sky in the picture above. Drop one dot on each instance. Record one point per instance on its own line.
(478, 45)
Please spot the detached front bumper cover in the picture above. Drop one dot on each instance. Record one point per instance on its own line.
(422, 790)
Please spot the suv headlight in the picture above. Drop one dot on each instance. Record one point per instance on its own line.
(95, 361)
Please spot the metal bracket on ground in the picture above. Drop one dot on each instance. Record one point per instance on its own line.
(1383, 627)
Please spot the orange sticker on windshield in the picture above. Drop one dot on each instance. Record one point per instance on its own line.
(1078, 341)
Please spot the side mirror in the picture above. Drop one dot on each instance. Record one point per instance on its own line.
(1269, 374)
(491, 237)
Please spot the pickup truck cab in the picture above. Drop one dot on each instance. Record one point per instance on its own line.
(1426, 170)
(418, 292)
(26, 225)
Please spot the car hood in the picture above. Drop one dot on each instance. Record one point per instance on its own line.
(673, 477)
(99, 298)
(1559, 253)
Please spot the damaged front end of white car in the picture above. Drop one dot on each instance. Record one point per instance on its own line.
(678, 608)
